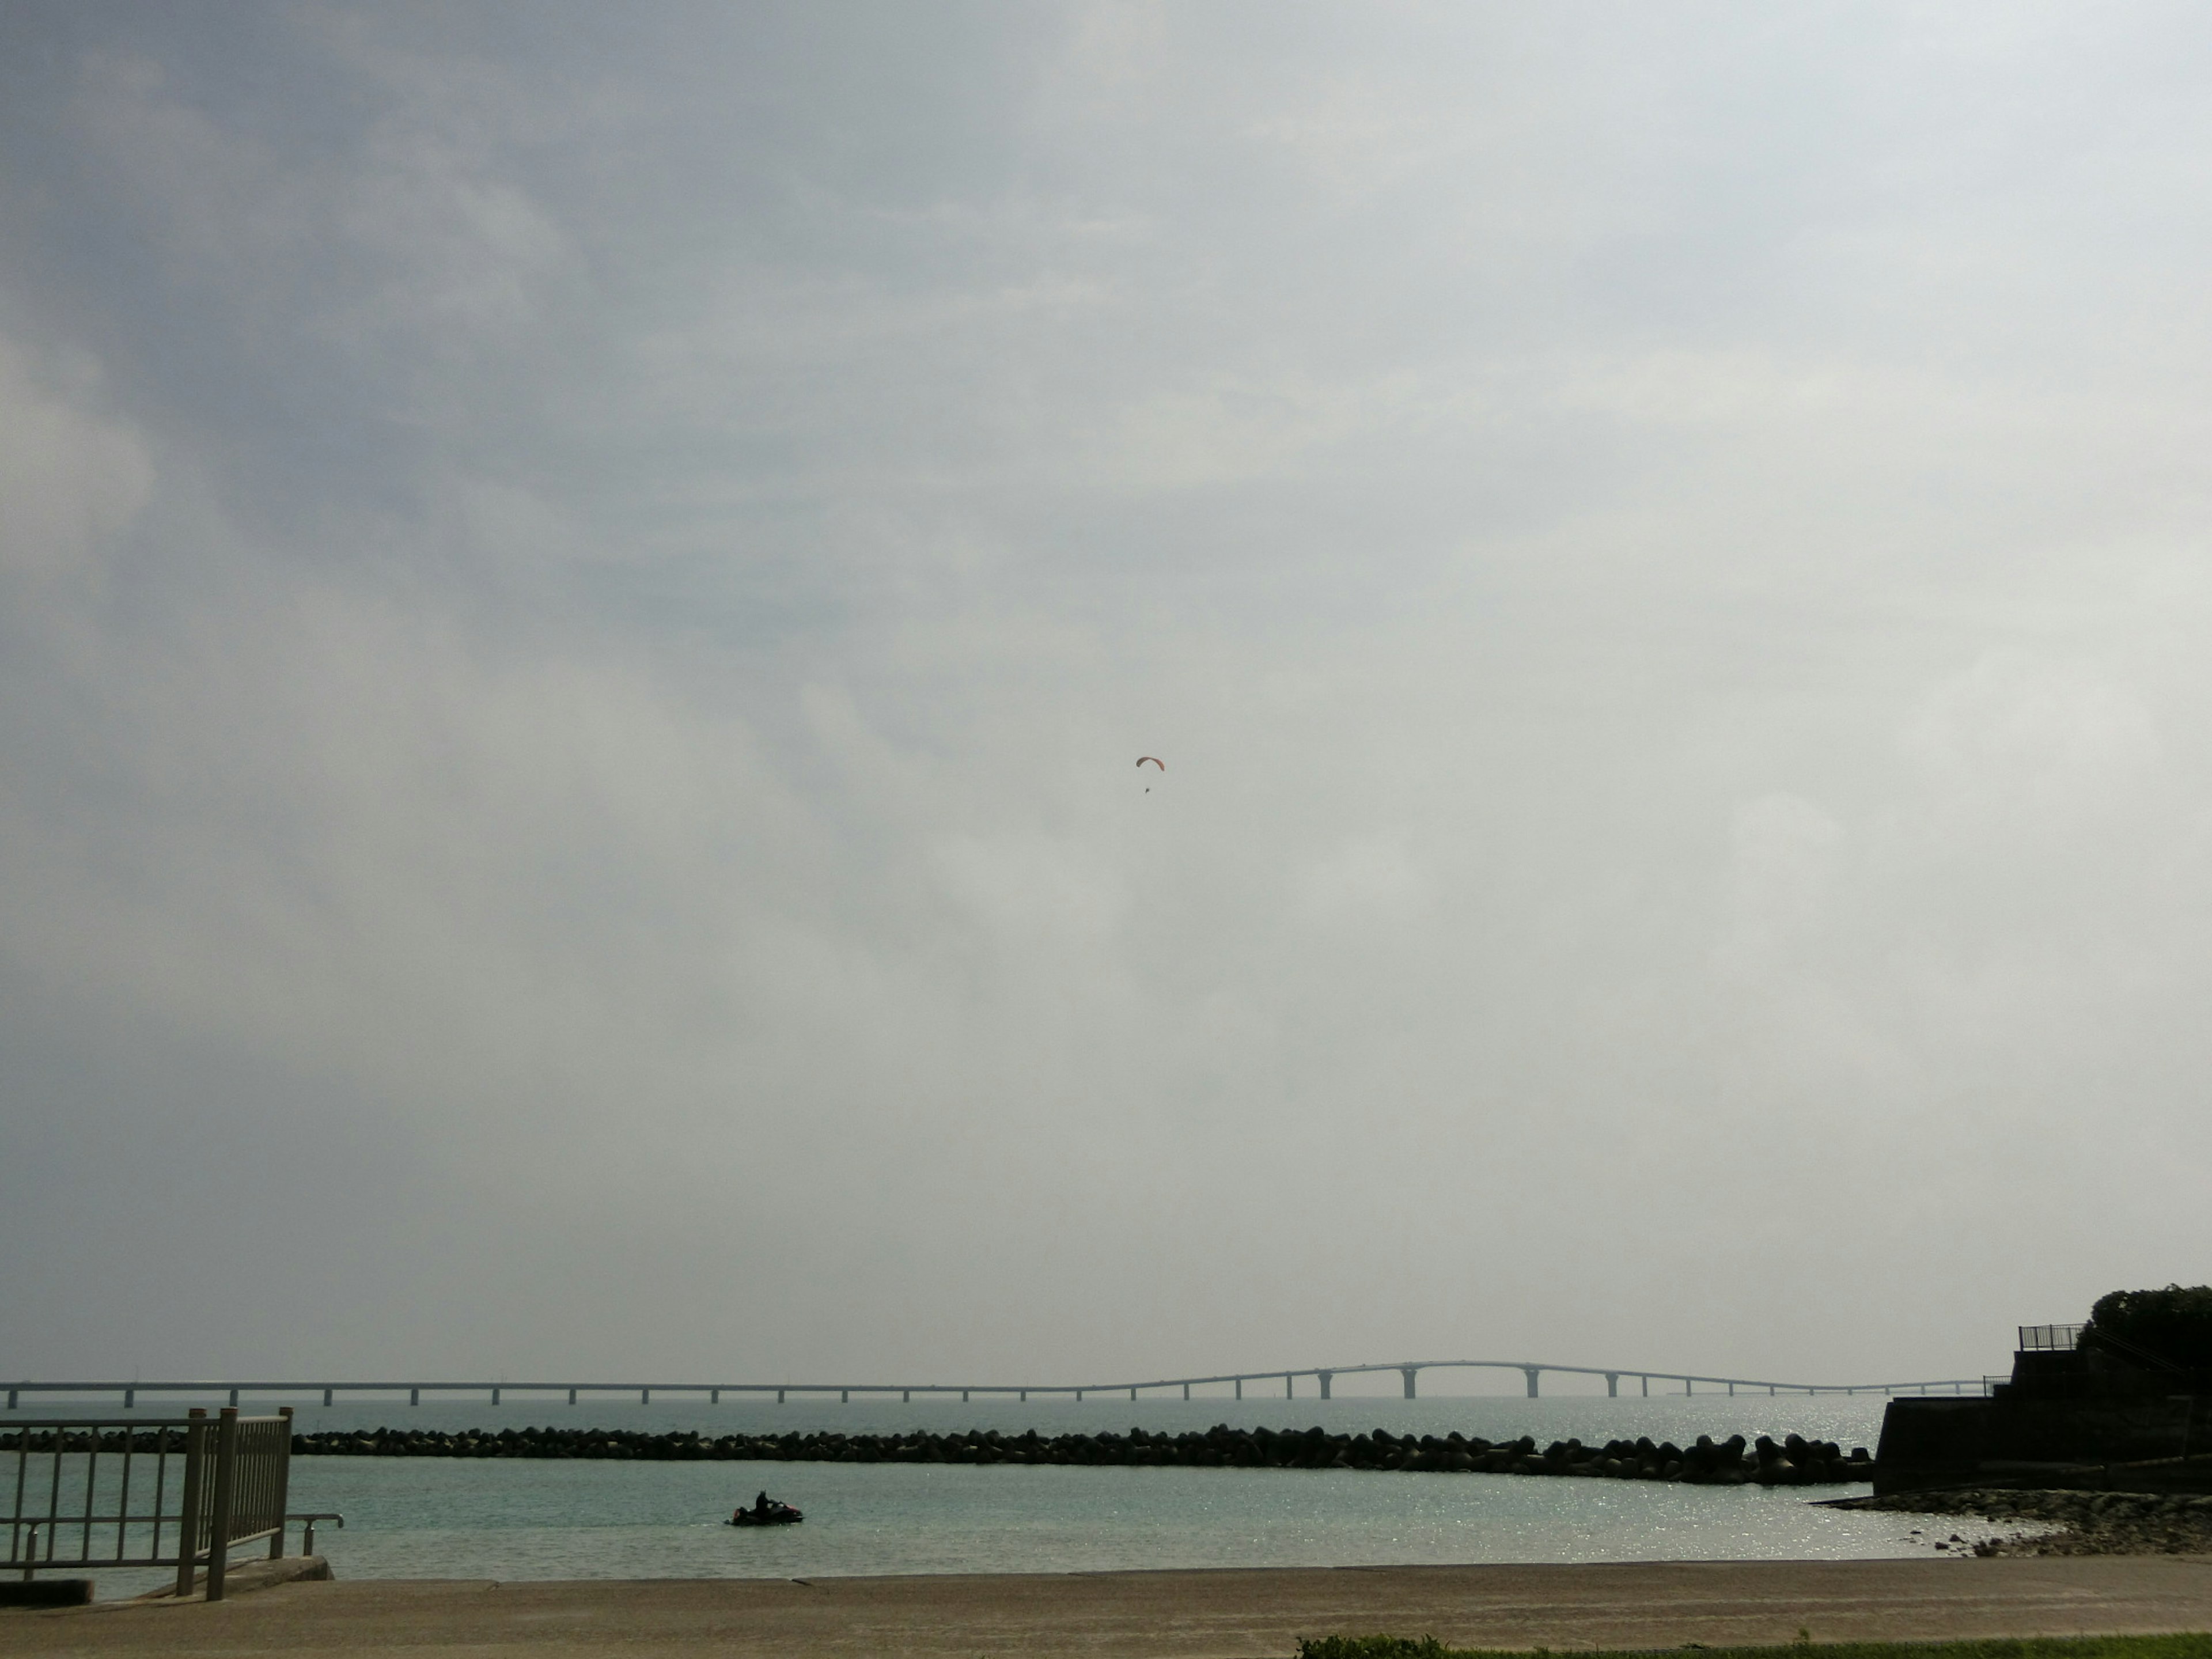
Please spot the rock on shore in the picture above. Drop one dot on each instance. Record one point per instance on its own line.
(2085, 1522)
(1794, 1461)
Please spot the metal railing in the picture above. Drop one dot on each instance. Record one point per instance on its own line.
(89, 1501)
(84, 1496)
(2047, 1339)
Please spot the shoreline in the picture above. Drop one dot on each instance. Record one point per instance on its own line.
(1247, 1613)
(2067, 1521)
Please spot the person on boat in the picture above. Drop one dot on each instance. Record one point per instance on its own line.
(760, 1505)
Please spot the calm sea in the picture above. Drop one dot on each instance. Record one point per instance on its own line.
(524, 1518)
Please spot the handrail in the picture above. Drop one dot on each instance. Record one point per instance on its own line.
(230, 1491)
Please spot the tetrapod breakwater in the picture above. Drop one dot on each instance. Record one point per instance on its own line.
(1792, 1461)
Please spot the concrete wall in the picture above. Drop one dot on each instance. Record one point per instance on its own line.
(2140, 1443)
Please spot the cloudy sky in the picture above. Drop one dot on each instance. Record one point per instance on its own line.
(580, 586)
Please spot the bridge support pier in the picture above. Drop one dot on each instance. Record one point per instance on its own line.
(778, 1396)
(844, 1396)
(963, 1396)
(1530, 1372)
(234, 1396)
(11, 1399)
(1025, 1394)
(1327, 1378)
(906, 1396)
(572, 1396)
(1613, 1385)
(1240, 1388)
(413, 1396)
(1133, 1393)
(326, 1396)
(1406, 1371)
(1688, 1387)
(1287, 1394)
(1185, 1390)
(495, 1396)
(130, 1398)
(645, 1396)
(714, 1396)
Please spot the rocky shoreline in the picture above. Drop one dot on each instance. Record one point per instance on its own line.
(2069, 1522)
(1791, 1462)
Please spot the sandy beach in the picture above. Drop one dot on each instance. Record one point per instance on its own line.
(1165, 1615)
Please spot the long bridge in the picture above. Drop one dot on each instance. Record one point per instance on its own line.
(1324, 1379)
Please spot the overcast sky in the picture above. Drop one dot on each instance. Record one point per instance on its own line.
(581, 587)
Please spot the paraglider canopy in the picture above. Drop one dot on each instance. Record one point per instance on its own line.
(1154, 759)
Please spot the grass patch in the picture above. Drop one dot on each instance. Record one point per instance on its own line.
(2043, 1647)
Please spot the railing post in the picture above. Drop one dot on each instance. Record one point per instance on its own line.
(226, 1471)
(283, 1487)
(188, 1520)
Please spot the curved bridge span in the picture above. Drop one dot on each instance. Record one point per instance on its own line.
(1321, 1378)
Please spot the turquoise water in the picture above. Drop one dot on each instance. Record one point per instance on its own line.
(530, 1518)
(486, 1519)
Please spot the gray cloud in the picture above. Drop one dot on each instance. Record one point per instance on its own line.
(576, 602)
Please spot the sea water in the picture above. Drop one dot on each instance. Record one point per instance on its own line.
(512, 1518)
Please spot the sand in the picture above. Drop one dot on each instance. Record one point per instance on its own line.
(1184, 1615)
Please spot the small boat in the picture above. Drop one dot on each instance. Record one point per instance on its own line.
(771, 1512)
